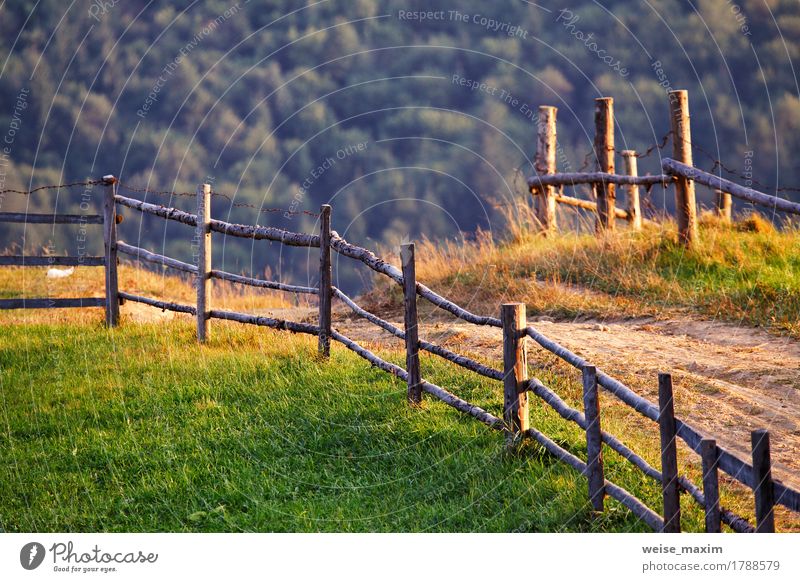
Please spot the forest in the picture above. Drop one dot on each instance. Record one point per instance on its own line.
(412, 118)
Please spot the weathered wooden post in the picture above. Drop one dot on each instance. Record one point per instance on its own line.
(685, 204)
(708, 455)
(110, 250)
(515, 369)
(203, 278)
(762, 482)
(604, 153)
(545, 163)
(325, 281)
(594, 439)
(634, 208)
(724, 205)
(411, 322)
(669, 456)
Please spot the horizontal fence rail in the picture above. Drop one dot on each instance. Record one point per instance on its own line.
(224, 276)
(145, 255)
(163, 305)
(717, 183)
(574, 179)
(50, 218)
(50, 261)
(51, 303)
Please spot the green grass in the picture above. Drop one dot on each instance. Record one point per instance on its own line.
(141, 429)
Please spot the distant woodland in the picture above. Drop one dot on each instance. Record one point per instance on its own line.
(410, 117)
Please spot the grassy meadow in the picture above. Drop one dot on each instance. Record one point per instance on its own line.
(141, 429)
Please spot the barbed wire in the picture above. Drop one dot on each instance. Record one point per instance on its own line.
(170, 193)
(659, 145)
(52, 187)
(215, 194)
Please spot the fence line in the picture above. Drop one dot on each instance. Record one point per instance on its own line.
(727, 462)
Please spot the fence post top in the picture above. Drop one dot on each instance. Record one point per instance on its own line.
(604, 100)
(109, 179)
(628, 153)
(325, 208)
(205, 188)
(548, 108)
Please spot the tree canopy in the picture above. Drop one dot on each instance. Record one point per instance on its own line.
(410, 117)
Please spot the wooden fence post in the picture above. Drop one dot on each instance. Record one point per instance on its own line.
(594, 438)
(545, 163)
(634, 208)
(110, 248)
(708, 454)
(669, 455)
(203, 278)
(411, 322)
(325, 281)
(604, 153)
(685, 204)
(515, 368)
(762, 482)
(724, 205)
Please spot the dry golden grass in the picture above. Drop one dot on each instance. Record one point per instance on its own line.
(747, 271)
(89, 282)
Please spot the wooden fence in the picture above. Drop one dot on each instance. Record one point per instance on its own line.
(547, 184)
(517, 386)
(109, 221)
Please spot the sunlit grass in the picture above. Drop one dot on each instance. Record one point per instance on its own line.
(745, 272)
(142, 429)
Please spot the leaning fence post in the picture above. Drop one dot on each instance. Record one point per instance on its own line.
(762, 482)
(634, 208)
(604, 153)
(685, 203)
(110, 250)
(669, 455)
(545, 163)
(411, 322)
(203, 278)
(594, 438)
(515, 368)
(708, 454)
(325, 281)
(724, 205)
